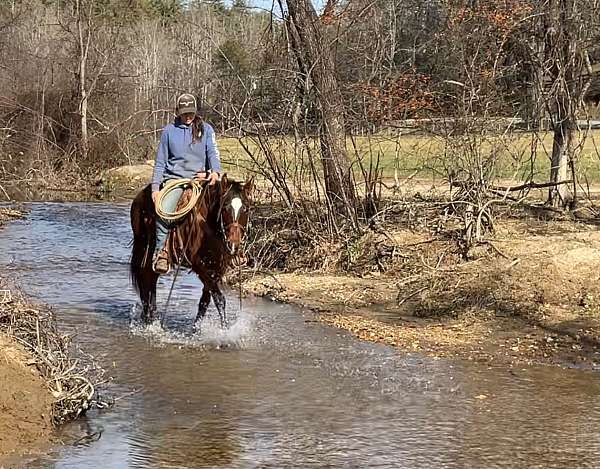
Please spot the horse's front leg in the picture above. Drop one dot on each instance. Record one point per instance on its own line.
(220, 303)
(149, 310)
(202, 307)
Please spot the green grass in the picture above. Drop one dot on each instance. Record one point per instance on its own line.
(426, 156)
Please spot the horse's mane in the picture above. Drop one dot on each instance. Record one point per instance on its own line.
(202, 222)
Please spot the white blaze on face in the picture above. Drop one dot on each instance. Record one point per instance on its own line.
(236, 204)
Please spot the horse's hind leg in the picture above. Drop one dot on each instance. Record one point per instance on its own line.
(202, 307)
(220, 303)
(148, 294)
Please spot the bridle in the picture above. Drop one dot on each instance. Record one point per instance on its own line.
(234, 224)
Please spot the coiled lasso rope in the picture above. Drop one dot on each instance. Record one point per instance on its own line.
(194, 184)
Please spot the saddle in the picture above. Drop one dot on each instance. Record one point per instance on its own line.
(175, 244)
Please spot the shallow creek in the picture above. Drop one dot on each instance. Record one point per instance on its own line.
(278, 389)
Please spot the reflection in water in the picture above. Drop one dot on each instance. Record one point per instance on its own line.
(278, 390)
(184, 422)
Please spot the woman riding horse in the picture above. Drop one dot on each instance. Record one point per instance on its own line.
(208, 240)
(209, 237)
(187, 149)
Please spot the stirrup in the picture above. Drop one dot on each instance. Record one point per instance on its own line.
(160, 264)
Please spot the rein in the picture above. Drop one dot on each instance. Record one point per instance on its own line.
(197, 194)
(162, 316)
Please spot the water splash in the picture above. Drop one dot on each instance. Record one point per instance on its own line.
(208, 335)
(236, 335)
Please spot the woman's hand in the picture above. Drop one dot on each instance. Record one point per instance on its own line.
(212, 177)
(155, 197)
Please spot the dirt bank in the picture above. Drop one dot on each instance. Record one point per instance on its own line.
(529, 295)
(125, 179)
(25, 402)
(7, 214)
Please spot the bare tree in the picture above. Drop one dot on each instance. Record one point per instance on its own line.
(567, 36)
(84, 37)
(317, 67)
(84, 25)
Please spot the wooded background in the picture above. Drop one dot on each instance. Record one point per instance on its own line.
(87, 85)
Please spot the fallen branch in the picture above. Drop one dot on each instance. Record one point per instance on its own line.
(498, 251)
(71, 383)
(406, 298)
(529, 185)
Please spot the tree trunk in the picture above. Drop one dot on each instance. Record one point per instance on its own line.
(317, 65)
(83, 113)
(537, 107)
(84, 45)
(565, 66)
(560, 194)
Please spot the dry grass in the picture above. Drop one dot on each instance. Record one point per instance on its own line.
(528, 292)
(427, 156)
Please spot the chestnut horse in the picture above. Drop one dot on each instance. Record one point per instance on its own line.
(206, 240)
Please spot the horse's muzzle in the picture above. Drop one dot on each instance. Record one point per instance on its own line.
(234, 237)
(232, 248)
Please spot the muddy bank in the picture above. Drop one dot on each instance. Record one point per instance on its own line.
(529, 295)
(26, 403)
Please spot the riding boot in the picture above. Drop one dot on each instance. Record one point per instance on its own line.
(160, 263)
(160, 259)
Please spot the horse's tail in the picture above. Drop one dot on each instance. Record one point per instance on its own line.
(143, 225)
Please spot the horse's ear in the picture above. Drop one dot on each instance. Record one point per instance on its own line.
(249, 187)
(224, 178)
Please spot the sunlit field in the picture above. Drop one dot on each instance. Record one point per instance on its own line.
(426, 156)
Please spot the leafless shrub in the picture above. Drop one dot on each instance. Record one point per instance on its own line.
(71, 381)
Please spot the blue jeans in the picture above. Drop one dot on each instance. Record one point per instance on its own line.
(169, 204)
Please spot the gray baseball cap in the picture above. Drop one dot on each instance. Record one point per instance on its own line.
(186, 103)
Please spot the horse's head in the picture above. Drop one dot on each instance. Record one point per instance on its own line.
(235, 205)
